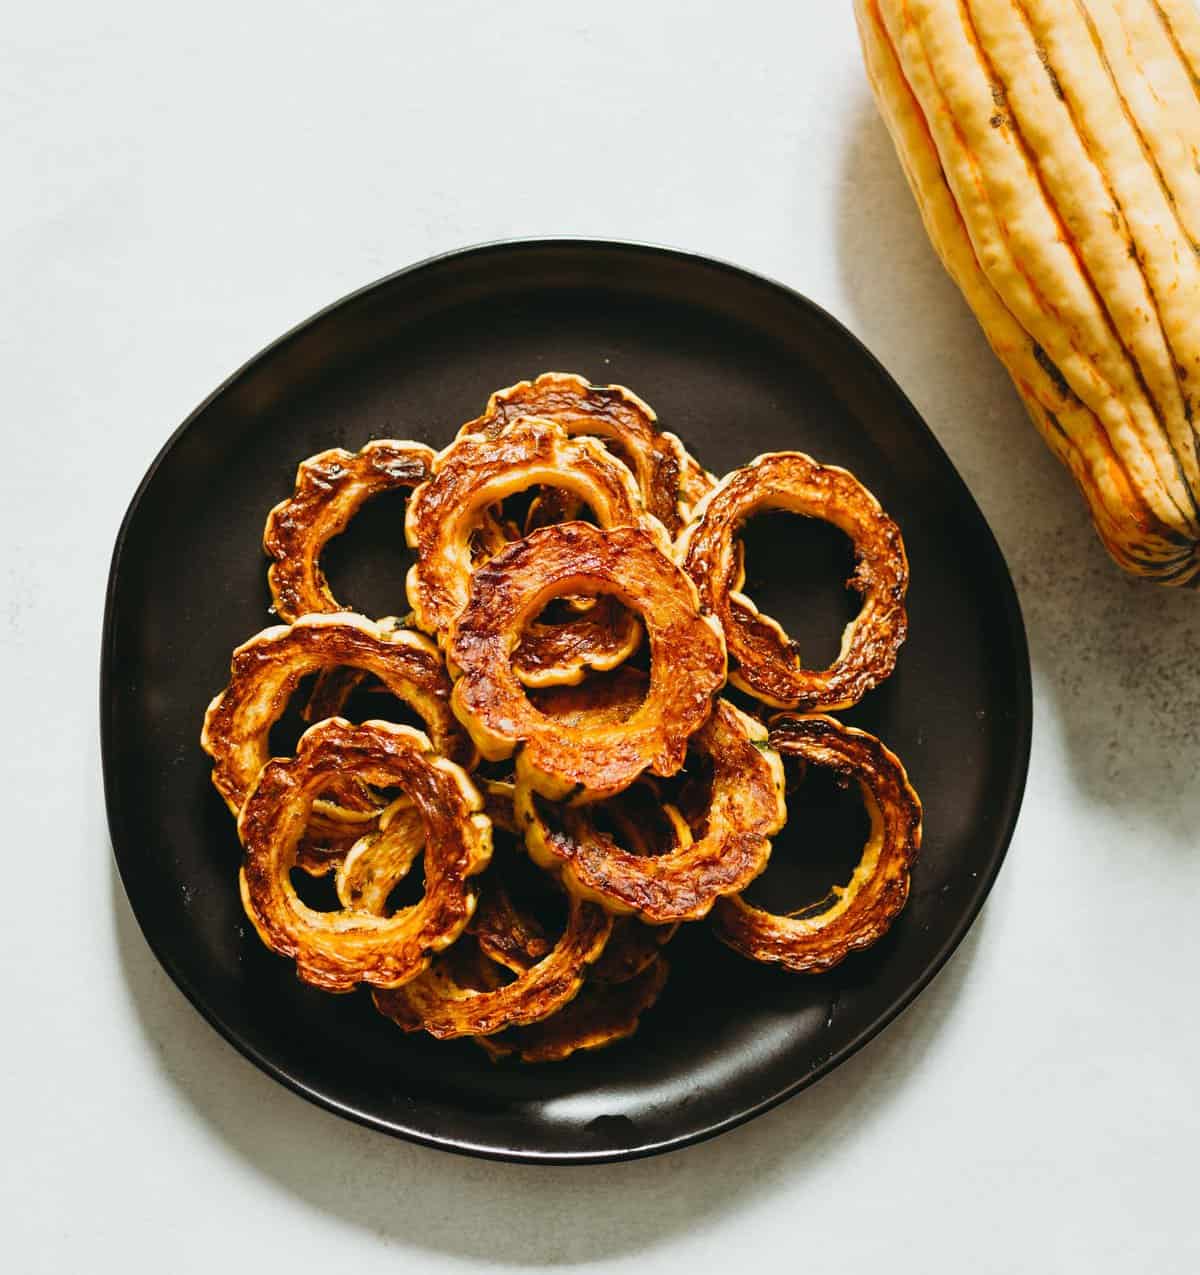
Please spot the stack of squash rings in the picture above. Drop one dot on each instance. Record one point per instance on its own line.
(580, 786)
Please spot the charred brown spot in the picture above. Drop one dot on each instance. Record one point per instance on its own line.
(1044, 58)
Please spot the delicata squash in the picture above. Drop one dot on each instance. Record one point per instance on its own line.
(331, 488)
(666, 476)
(634, 797)
(267, 668)
(592, 759)
(479, 471)
(1053, 148)
(446, 1001)
(337, 950)
(766, 663)
(554, 994)
(601, 1014)
(512, 936)
(745, 809)
(816, 938)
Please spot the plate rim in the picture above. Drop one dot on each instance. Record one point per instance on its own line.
(1022, 708)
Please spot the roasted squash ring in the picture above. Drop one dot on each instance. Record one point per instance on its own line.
(339, 819)
(506, 934)
(624, 982)
(333, 687)
(507, 937)
(331, 488)
(445, 1007)
(646, 826)
(502, 936)
(332, 690)
(556, 654)
(337, 950)
(746, 808)
(600, 1015)
(266, 670)
(816, 938)
(478, 471)
(766, 664)
(610, 412)
(549, 506)
(379, 861)
(337, 824)
(512, 937)
(590, 760)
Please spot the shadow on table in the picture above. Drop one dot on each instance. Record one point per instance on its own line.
(1117, 660)
(517, 1214)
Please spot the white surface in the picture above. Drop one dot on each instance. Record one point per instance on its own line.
(179, 190)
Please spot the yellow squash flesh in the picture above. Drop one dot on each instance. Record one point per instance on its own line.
(1053, 147)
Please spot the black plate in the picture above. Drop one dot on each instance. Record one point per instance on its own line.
(736, 365)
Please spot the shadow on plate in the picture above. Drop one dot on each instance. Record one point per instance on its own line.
(511, 1213)
(1116, 660)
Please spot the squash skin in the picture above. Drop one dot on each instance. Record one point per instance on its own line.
(1052, 147)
